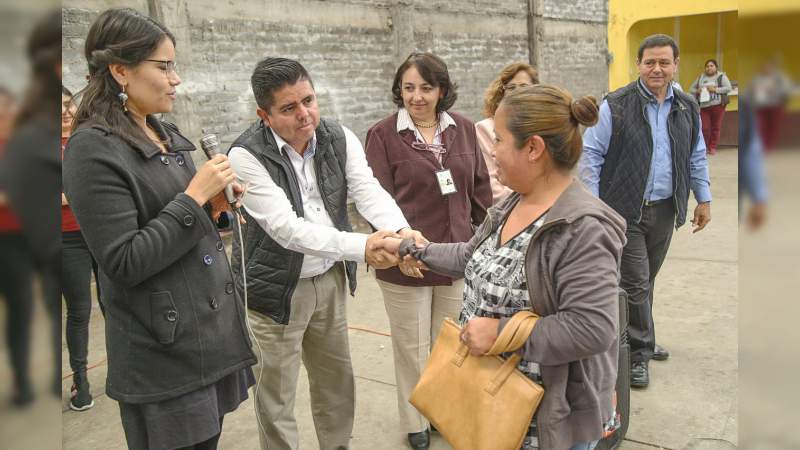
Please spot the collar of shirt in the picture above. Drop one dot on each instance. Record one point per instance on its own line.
(651, 96)
(291, 152)
(404, 121)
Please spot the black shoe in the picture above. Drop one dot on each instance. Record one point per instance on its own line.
(640, 374)
(660, 353)
(81, 398)
(23, 394)
(420, 441)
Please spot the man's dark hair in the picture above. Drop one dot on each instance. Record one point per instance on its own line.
(271, 74)
(434, 71)
(658, 40)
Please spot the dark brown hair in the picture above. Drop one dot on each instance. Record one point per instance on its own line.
(434, 71)
(551, 113)
(118, 36)
(497, 88)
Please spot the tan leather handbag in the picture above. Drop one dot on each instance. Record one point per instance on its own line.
(479, 402)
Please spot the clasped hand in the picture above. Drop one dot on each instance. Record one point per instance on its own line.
(383, 248)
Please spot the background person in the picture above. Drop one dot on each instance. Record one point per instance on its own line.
(16, 270)
(33, 176)
(513, 76)
(178, 351)
(709, 89)
(76, 273)
(428, 159)
(769, 92)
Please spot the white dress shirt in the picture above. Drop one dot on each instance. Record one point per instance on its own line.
(314, 234)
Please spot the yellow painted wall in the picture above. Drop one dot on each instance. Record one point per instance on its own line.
(624, 14)
(766, 35)
(697, 39)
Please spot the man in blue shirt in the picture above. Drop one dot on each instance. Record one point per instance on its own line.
(642, 158)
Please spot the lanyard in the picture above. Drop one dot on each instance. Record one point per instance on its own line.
(438, 150)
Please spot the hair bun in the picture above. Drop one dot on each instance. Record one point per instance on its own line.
(584, 110)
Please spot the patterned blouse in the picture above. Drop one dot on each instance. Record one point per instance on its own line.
(495, 286)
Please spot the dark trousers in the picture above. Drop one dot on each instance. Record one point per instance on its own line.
(648, 242)
(16, 285)
(711, 120)
(76, 277)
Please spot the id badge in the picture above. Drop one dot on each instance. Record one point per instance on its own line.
(446, 183)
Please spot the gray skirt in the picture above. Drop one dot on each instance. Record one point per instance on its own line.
(186, 420)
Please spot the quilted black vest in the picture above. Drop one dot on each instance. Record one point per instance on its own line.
(273, 271)
(623, 178)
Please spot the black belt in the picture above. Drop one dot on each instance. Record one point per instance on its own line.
(656, 202)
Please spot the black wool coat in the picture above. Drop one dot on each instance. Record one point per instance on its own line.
(174, 321)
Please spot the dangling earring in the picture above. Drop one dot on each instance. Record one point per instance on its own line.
(123, 98)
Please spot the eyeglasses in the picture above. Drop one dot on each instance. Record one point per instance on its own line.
(166, 66)
(511, 86)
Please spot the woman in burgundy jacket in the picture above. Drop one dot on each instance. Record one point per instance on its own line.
(428, 159)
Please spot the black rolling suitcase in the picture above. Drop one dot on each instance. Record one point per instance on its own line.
(623, 403)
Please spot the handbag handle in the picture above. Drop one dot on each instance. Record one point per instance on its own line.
(502, 374)
(513, 336)
(515, 333)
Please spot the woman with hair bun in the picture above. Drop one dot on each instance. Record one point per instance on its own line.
(550, 246)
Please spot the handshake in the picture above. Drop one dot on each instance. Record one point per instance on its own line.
(383, 251)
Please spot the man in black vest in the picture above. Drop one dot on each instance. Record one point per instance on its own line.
(642, 158)
(300, 252)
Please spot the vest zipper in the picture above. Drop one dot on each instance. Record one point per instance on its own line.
(649, 163)
(674, 165)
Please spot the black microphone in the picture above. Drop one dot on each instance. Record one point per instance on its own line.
(210, 145)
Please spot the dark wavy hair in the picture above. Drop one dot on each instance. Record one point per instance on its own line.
(434, 71)
(118, 36)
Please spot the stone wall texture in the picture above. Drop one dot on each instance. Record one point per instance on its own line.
(352, 48)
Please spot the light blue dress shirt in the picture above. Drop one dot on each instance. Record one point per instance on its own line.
(659, 181)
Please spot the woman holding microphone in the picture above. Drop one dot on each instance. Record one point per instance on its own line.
(178, 351)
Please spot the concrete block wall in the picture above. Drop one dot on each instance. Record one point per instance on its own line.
(352, 48)
(573, 44)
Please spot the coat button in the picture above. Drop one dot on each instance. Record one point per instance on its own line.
(188, 220)
(229, 288)
(213, 302)
(164, 160)
(171, 315)
(207, 260)
(220, 246)
(180, 160)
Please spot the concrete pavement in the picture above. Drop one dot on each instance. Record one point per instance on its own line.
(691, 402)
